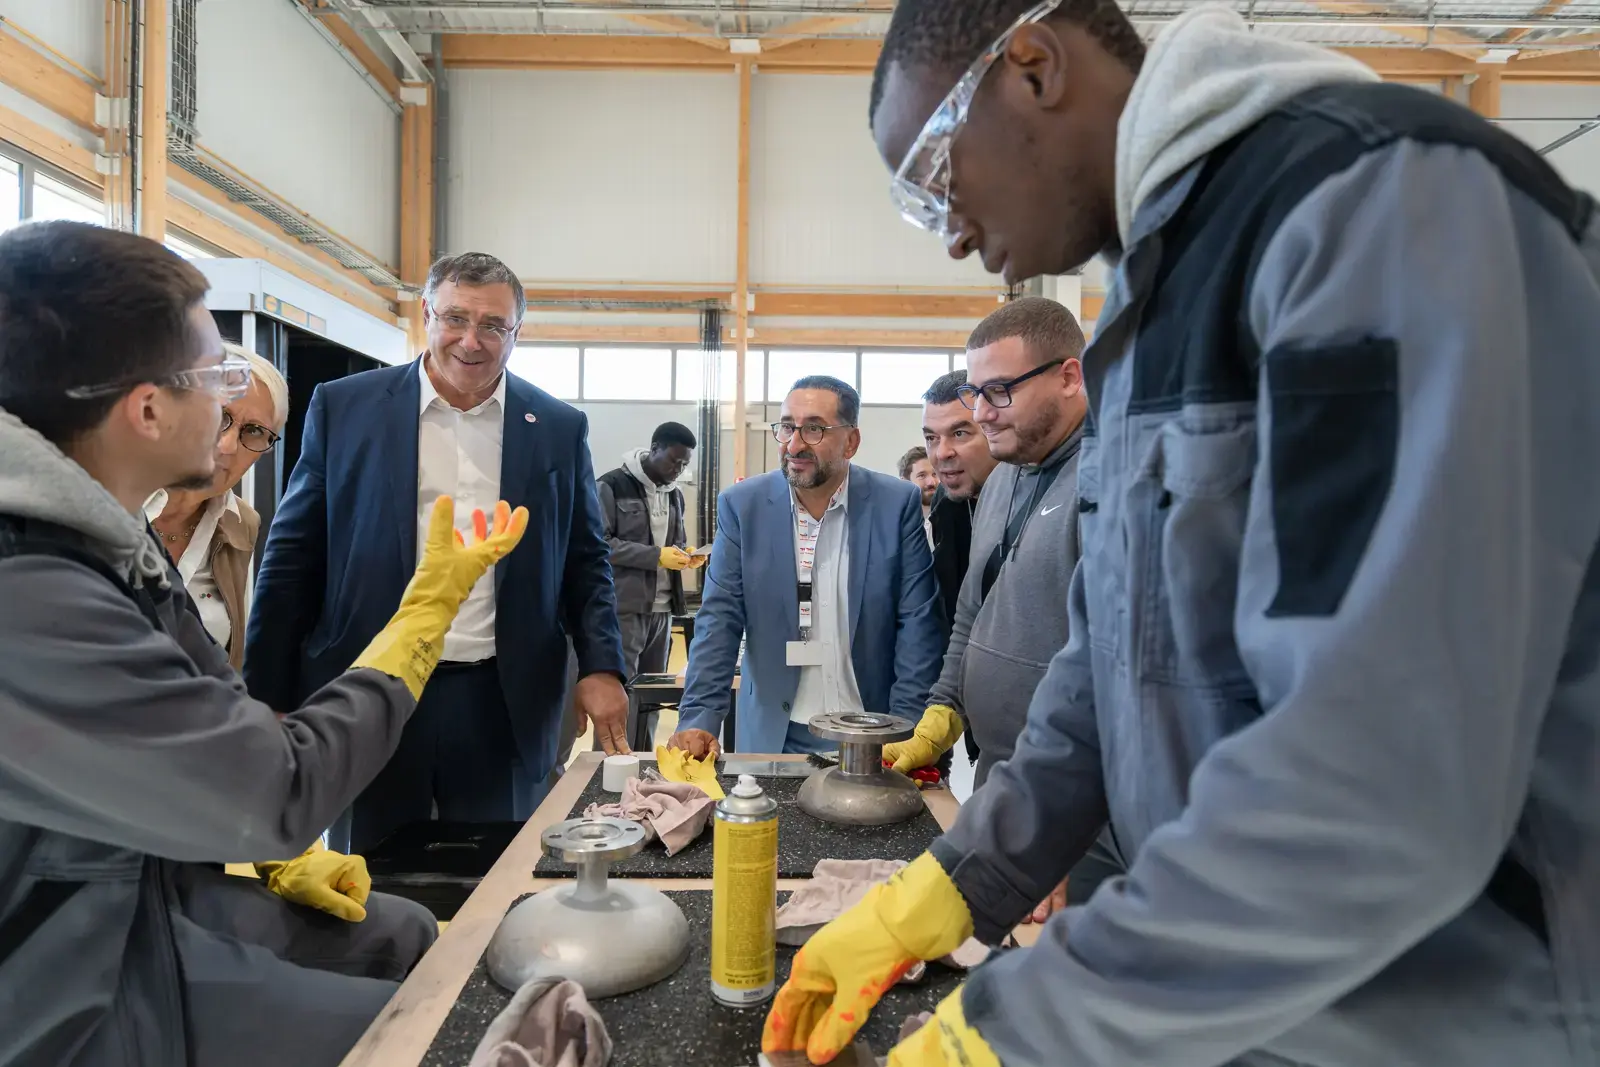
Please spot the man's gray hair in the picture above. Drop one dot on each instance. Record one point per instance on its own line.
(476, 269)
(849, 399)
(943, 389)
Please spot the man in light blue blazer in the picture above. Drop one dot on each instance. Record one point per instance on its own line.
(824, 568)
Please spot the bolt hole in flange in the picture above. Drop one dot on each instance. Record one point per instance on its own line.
(610, 937)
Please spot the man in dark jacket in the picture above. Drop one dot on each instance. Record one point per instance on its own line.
(642, 508)
(961, 459)
(1334, 667)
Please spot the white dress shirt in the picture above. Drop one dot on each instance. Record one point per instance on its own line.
(830, 687)
(458, 455)
(195, 566)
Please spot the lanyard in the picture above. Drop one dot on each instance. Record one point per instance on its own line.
(806, 533)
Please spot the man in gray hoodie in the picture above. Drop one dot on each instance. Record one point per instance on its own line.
(133, 763)
(1334, 667)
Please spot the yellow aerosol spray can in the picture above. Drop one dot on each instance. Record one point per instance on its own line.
(744, 896)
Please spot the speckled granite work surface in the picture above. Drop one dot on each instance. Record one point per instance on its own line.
(675, 1023)
(802, 840)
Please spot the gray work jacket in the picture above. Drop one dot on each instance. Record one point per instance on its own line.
(1334, 667)
(130, 747)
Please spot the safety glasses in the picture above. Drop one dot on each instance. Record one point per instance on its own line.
(921, 187)
(228, 380)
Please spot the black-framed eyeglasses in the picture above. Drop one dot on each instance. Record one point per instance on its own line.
(252, 435)
(488, 333)
(811, 433)
(998, 394)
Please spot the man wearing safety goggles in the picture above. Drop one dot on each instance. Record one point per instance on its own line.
(1334, 670)
(133, 764)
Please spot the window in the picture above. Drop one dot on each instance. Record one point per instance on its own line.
(959, 362)
(555, 370)
(57, 200)
(690, 384)
(900, 377)
(10, 193)
(627, 374)
(187, 249)
(784, 368)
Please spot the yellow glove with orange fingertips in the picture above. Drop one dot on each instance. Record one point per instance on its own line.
(408, 648)
(843, 970)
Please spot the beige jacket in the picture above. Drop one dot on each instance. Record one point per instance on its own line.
(231, 548)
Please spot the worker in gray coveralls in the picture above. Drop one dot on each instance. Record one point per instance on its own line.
(133, 764)
(1334, 668)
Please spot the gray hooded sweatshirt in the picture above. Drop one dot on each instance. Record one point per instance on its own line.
(128, 747)
(1001, 644)
(1334, 669)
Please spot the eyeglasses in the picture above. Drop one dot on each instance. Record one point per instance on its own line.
(921, 187)
(228, 380)
(998, 394)
(252, 435)
(493, 336)
(811, 433)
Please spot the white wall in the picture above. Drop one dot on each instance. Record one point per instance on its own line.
(280, 104)
(820, 211)
(75, 28)
(595, 176)
(1579, 161)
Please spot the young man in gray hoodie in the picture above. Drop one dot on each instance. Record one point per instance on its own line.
(133, 764)
(1334, 667)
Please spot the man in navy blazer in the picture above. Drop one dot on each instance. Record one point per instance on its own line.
(377, 449)
(824, 568)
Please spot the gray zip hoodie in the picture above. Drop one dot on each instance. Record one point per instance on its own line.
(1001, 645)
(130, 747)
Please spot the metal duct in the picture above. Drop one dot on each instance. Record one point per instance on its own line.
(709, 421)
(184, 151)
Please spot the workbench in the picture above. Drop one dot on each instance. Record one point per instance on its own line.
(404, 1032)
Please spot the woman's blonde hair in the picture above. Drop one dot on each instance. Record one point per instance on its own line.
(264, 372)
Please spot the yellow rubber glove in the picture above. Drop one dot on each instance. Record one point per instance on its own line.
(676, 765)
(674, 558)
(936, 734)
(945, 1041)
(328, 881)
(844, 969)
(409, 647)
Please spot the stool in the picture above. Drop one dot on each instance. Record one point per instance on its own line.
(438, 864)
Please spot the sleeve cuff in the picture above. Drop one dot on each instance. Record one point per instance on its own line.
(996, 905)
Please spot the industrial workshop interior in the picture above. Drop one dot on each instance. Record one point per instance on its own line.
(755, 533)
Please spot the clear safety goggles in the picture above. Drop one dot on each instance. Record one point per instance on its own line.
(921, 187)
(228, 380)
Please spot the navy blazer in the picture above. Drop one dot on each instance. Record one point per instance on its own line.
(896, 620)
(343, 545)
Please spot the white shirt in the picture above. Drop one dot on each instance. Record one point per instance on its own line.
(830, 687)
(458, 455)
(195, 566)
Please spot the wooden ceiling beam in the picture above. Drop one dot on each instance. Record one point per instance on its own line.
(801, 29)
(594, 51)
(44, 81)
(1445, 40)
(1545, 11)
(352, 41)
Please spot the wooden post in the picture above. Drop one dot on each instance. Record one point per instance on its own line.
(416, 204)
(741, 294)
(154, 57)
(1483, 95)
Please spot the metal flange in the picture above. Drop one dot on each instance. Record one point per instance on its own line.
(859, 791)
(862, 728)
(583, 841)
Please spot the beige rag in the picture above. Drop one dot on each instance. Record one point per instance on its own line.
(838, 885)
(676, 812)
(549, 1023)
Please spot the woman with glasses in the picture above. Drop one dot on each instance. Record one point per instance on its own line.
(211, 533)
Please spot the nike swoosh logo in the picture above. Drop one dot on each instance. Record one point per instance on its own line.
(1046, 511)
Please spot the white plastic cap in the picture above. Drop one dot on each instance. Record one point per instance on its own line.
(747, 786)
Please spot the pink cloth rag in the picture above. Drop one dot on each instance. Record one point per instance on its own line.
(676, 812)
(836, 886)
(549, 1023)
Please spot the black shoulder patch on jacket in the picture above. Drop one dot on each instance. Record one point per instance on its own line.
(1335, 436)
